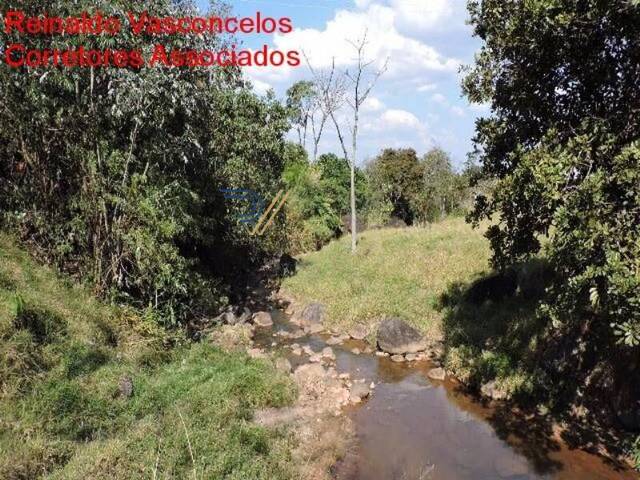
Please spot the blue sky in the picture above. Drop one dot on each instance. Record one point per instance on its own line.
(418, 102)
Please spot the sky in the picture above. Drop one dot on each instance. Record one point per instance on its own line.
(418, 102)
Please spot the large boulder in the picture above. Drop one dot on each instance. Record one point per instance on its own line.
(493, 391)
(313, 314)
(234, 315)
(437, 374)
(397, 337)
(359, 332)
(263, 319)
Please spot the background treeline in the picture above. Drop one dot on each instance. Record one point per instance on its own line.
(396, 188)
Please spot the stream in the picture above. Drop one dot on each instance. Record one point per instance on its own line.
(415, 428)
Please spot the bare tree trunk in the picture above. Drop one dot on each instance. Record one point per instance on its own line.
(354, 223)
(332, 96)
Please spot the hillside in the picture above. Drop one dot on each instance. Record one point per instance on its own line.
(89, 391)
(423, 275)
(395, 272)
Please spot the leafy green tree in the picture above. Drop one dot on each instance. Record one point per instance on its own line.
(301, 105)
(312, 219)
(442, 190)
(563, 144)
(114, 174)
(335, 178)
(396, 177)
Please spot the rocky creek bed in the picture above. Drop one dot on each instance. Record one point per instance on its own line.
(366, 414)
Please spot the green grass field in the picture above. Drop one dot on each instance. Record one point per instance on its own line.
(420, 275)
(62, 357)
(394, 273)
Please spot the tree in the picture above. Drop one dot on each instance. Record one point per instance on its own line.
(334, 94)
(335, 177)
(113, 174)
(442, 188)
(562, 79)
(396, 177)
(301, 103)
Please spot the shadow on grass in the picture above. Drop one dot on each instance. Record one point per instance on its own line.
(496, 341)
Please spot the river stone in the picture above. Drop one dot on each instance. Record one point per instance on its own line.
(411, 357)
(263, 319)
(125, 387)
(334, 341)
(313, 328)
(397, 337)
(359, 391)
(315, 358)
(296, 334)
(398, 358)
(511, 466)
(235, 316)
(283, 365)
(359, 332)
(256, 353)
(312, 314)
(437, 374)
(312, 371)
(327, 353)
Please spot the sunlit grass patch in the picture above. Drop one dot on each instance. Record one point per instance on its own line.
(395, 272)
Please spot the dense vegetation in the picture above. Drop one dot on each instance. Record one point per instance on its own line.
(396, 188)
(562, 78)
(64, 359)
(114, 174)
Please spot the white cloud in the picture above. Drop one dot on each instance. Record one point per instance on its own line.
(363, 3)
(422, 15)
(439, 98)
(421, 39)
(409, 59)
(459, 111)
(482, 108)
(372, 104)
(399, 119)
(260, 87)
(427, 87)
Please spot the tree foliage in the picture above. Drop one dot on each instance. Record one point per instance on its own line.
(563, 81)
(319, 199)
(114, 174)
(416, 190)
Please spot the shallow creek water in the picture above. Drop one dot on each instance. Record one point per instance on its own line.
(414, 428)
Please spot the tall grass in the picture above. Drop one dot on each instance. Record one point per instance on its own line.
(395, 272)
(63, 355)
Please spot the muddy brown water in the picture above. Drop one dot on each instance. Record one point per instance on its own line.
(414, 428)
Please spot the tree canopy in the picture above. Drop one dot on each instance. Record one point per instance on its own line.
(114, 174)
(563, 141)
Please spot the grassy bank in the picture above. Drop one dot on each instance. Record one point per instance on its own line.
(400, 272)
(66, 361)
(421, 275)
